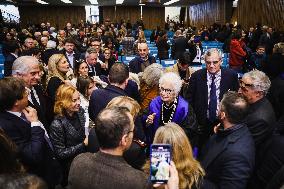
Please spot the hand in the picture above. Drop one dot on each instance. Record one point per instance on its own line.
(86, 141)
(104, 66)
(216, 128)
(150, 119)
(68, 82)
(173, 182)
(30, 114)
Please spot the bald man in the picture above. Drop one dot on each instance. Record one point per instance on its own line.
(139, 63)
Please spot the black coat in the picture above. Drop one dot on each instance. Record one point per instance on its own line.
(261, 121)
(67, 140)
(101, 97)
(179, 46)
(228, 159)
(33, 150)
(135, 64)
(163, 48)
(8, 64)
(77, 56)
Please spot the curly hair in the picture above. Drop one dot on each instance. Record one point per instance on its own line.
(152, 74)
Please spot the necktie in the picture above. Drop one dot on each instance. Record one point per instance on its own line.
(35, 102)
(213, 101)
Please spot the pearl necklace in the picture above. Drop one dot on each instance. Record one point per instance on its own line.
(173, 106)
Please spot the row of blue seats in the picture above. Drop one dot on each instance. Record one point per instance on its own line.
(2, 59)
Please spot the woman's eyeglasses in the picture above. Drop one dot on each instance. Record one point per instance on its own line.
(167, 91)
(244, 85)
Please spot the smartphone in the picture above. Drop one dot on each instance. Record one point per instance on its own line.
(160, 158)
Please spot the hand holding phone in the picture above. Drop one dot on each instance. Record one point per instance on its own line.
(160, 157)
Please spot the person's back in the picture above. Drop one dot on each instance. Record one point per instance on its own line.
(107, 169)
(104, 171)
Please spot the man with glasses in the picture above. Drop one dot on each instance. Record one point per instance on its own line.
(206, 89)
(261, 118)
(114, 130)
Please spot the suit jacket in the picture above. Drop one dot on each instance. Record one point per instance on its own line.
(42, 110)
(8, 64)
(101, 97)
(32, 147)
(135, 64)
(228, 159)
(179, 46)
(95, 170)
(261, 121)
(197, 92)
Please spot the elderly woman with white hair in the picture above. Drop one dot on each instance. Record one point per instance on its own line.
(169, 107)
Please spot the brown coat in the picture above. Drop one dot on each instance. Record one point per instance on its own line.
(147, 95)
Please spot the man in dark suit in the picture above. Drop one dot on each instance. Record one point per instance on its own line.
(69, 52)
(94, 63)
(118, 78)
(20, 122)
(261, 119)
(114, 130)
(228, 157)
(139, 63)
(179, 46)
(13, 51)
(27, 68)
(206, 89)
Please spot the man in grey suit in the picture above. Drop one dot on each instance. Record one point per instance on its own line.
(107, 169)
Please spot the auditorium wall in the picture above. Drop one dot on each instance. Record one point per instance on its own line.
(209, 12)
(266, 12)
(56, 15)
(152, 16)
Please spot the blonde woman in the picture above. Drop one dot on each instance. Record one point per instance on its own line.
(67, 130)
(190, 172)
(58, 69)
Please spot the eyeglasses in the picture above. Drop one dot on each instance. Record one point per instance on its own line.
(167, 91)
(212, 62)
(244, 85)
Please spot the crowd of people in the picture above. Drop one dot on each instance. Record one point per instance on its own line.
(73, 116)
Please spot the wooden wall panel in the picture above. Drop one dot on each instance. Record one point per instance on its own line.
(152, 16)
(209, 12)
(56, 15)
(267, 12)
(119, 12)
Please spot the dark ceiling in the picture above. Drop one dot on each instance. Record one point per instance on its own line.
(100, 2)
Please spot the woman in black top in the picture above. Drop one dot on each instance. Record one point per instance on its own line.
(67, 131)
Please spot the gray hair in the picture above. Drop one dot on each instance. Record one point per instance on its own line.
(152, 74)
(211, 51)
(260, 81)
(51, 44)
(90, 51)
(23, 64)
(173, 79)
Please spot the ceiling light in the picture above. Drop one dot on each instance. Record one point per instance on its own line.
(119, 2)
(41, 2)
(94, 2)
(171, 2)
(66, 1)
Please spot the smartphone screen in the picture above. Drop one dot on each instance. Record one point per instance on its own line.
(160, 157)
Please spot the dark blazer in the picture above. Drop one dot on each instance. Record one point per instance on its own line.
(104, 171)
(179, 46)
(228, 159)
(261, 121)
(163, 48)
(42, 110)
(8, 64)
(101, 97)
(198, 90)
(67, 140)
(32, 147)
(135, 64)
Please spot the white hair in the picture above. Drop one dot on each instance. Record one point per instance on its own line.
(209, 52)
(260, 81)
(152, 74)
(173, 79)
(51, 44)
(23, 64)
